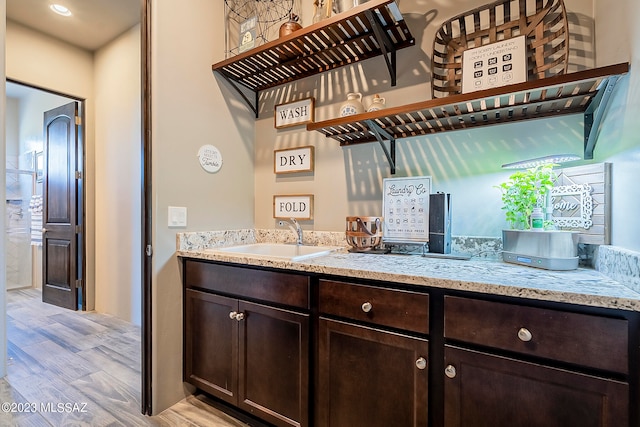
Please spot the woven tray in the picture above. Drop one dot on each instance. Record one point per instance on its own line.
(544, 22)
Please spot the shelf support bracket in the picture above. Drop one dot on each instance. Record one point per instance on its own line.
(594, 113)
(381, 135)
(253, 104)
(388, 51)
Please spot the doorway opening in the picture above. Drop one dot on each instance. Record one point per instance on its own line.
(27, 185)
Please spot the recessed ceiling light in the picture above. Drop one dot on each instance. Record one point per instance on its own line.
(60, 9)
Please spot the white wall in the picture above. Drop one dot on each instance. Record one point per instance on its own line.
(3, 284)
(43, 62)
(117, 176)
(110, 85)
(347, 181)
(189, 109)
(618, 40)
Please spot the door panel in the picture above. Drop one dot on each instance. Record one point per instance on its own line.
(369, 377)
(274, 364)
(484, 390)
(60, 216)
(211, 349)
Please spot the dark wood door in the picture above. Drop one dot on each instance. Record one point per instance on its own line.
(370, 378)
(483, 390)
(62, 213)
(211, 344)
(274, 364)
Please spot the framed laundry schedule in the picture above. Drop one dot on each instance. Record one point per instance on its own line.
(405, 208)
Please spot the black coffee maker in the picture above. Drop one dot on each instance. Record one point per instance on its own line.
(440, 223)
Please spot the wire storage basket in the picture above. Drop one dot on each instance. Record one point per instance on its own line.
(364, 233)
(542, 22)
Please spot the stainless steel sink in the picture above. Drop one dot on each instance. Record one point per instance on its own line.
(277, 250)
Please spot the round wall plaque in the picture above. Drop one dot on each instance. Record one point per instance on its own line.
(210, 158)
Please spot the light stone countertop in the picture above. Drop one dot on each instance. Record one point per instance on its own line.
(582, 286)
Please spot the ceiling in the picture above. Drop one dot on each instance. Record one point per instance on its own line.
(94, 23)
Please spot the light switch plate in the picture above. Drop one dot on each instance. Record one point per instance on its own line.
(177, 216)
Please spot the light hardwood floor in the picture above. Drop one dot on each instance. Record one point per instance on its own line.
(69, 368)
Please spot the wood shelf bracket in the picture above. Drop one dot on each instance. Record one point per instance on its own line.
(382, 135)
(594, 113)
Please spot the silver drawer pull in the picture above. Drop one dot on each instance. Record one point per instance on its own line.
(421, 363)
(525, 335)
(450, 371)
(366, 307)
(239, 316)
(233, 314)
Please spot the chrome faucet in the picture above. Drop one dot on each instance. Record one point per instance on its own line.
(295, 226)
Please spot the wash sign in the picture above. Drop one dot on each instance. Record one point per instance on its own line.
(494, 65)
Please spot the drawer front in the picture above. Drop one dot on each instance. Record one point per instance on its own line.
(387, 307)
(270, 286)
(587, 340)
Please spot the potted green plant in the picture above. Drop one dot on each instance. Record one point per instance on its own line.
(524, 191)
(549, 249)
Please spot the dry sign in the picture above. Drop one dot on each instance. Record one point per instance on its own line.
(293, 160)
(294, 206)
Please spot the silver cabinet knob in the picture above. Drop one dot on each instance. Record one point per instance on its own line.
(366, 307)
(421, 363)
(524, 334)
(44, 230)
(450, 371)
(233, 314)
(239, 316)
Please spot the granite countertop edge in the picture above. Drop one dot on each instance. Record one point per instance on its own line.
(582, 286)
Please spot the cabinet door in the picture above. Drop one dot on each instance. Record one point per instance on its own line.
(482, 390)
(274, 364)
(370, 378)
(211, 344)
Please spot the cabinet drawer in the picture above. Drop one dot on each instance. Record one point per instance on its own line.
(587, 340)
(270, 286)
(387, 307)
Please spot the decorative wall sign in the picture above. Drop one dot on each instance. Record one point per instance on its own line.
(293, 206)
(264, 18)
(210, 158)
(247, 34)
(294, 113)
(575, 203)
(405, 208)
(493, 65)
(581, 201)
(293, 160)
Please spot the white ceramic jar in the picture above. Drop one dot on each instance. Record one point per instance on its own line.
(353, 105)
(377, 103)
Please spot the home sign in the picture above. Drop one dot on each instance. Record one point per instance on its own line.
(581, 201)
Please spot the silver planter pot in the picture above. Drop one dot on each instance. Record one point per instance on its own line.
(551, 250)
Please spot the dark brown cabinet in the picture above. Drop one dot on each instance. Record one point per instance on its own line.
(392, 355)
(251, 355)
(211, 344)
(483, 388)
(367, 376)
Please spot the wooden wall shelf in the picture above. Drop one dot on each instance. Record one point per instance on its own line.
(372, 29)
(581, 92)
